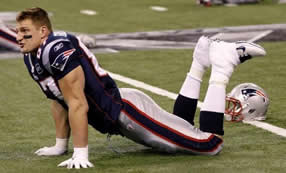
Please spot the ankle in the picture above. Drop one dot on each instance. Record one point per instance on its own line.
(197, 71)
(218, 78)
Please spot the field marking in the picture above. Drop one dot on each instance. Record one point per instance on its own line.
(259, 36)
(159, 8)
(271, 128)
(88, 12)
(274, 129)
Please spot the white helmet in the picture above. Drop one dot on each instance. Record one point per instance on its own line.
(246, 101)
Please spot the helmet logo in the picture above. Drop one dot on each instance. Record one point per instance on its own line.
(251, 92)
(246, 101)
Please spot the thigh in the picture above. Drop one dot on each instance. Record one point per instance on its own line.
(143, 121)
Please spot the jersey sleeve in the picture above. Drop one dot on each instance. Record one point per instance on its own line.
(63, 58)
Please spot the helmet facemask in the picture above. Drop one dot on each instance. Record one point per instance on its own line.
(233, 109)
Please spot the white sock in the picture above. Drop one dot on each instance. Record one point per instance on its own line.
(215, 98)
(197, 71)
(219, 78)
(191, 87)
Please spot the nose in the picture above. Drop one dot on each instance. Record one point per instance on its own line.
(19, 37)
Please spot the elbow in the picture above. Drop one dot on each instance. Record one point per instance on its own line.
(84, 107)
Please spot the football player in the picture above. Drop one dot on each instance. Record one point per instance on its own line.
(83, 93)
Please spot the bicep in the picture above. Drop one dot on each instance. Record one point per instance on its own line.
(72, 86)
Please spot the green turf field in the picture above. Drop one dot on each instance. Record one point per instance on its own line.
(26, 123)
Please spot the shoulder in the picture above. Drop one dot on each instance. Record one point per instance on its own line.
(56, 50)
(56, 43)
(55, 40)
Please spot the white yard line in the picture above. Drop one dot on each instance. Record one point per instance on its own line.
(159, 8)
(277, 130)
(143, 85)
(162, 92)
(259, 36)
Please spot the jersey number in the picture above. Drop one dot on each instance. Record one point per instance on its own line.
(100, 71)
(50, 84)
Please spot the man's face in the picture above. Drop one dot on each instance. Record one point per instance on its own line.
(33, 35)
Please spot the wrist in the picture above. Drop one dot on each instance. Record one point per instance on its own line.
(61, 143)
(80, 152)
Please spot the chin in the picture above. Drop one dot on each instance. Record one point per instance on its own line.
(23, 50)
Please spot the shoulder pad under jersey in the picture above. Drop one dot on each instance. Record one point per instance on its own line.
(56, 51)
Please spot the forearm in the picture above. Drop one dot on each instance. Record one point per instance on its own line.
(72, 87)
(60, 116)
(63, 131)
(79, 123)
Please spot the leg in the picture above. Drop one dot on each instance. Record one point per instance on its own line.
(224, 57)
(189, 93)
(144, 122)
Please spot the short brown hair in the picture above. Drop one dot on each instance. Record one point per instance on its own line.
(38, 15)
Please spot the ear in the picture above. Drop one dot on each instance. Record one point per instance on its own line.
(44, 31)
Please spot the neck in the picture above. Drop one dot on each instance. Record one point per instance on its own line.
(34, 53)
(45, 38)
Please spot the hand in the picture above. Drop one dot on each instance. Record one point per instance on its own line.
(60, 148)
(76, 163)
(79, 159)
(51, 151)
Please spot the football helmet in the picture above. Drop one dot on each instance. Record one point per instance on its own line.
(246, 101)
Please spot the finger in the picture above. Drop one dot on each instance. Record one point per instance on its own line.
(64, 163)
(41, 153)
(37, 152)
(89, 164)
(70, 164)
(83, 164)
(76, 165)
(40, 150)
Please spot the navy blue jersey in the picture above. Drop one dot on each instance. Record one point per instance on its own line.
(59, 55)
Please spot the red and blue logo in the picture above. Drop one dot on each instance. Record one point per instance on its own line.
(61, 60)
